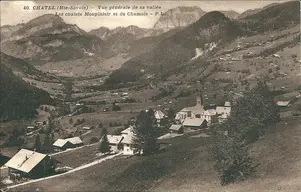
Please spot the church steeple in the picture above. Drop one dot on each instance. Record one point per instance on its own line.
(199, 101)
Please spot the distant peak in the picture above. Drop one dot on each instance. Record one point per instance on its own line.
(214, 16)
(46, 18)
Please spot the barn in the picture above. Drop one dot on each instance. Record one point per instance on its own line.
(195, 123)
(31, 164)
(62, 144)
(177, 128)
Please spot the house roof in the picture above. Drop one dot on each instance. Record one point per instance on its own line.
(128, 139)
(159, 114)
(180, 115)
(198, 109)
(87, 127)
(175, 127)
(25, 160)
(74, 140)
(193, 122)
(128, 130)
(283, 103)
(60, 142)
(223, 109)
(114, 139)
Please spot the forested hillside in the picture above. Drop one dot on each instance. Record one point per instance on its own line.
(18, 99)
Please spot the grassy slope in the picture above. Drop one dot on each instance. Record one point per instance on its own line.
(187, 166)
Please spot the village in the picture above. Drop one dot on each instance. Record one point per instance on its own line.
(28, 164)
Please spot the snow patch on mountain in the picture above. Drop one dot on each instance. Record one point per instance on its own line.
(198, 52)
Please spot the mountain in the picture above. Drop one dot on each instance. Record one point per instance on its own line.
(18, 99)
(7, 30)
(274, 17)
(254, 11)
(22, 68)
(104, 33)
(209, 33)
(212, 35)
(120, 38)
(49, 38)
(101, 32)
(230, 14)
(178, 17)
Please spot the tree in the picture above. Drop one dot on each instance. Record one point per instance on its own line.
(104, 131)
(37, 143)
(171, 114)
(146, 132)
(51, 124)
(252, 115)
(233, 162)
(115, 107)
(71, 121)
(104, 142)
(100, 125)
(47, 145)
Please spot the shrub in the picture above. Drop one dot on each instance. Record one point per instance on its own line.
(93, 140)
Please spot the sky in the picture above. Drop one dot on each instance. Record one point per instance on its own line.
(13, 12)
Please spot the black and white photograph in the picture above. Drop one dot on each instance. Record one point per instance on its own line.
(160, 96)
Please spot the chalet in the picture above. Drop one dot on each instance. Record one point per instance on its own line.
(31, 128)
(283, 103)
(62, 144)
(177, 128)
(210, 116)
(115, 142)
(31, 164)
(276, 55)
(222, 118)
(195, 123)
(223, 110)
(87, 127)
(159, 115)
(41, 123)
(76, 141)
(129, 145)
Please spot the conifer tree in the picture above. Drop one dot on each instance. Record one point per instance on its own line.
(37, 143)
(104, 142)
(146, 132)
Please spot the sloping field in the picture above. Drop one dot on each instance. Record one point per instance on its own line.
(187, 166)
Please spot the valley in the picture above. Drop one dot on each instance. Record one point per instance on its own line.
(61, 79)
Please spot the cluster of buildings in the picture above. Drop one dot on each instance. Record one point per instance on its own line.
(196, 117)
(32, 164)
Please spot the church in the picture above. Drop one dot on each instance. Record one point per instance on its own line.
(197, 111)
